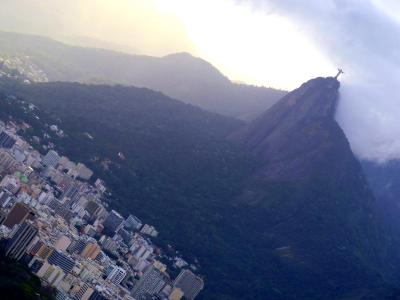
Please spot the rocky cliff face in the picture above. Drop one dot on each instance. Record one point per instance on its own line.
(297, 132)
(312, 197)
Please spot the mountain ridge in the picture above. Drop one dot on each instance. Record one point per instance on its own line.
(180, 76)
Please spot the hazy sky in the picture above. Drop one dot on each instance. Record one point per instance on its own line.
(246, 44)
(279, 43)
(135, 23)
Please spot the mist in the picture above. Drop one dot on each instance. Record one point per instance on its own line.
(133, 26)
(362, 37)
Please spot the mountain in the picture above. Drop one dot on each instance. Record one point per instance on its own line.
(85, 41)
(298, 133)
(277, 209)
(311, 193)
(180, 76)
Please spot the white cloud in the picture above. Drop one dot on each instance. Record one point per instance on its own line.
(363, 38)
(248, 46)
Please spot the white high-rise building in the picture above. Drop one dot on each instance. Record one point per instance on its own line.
(117, 275)
(51, 159)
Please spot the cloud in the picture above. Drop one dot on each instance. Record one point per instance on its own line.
(363, 37)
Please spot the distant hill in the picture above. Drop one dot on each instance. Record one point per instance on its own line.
(280, 210)
(84, 41)
(180, 76)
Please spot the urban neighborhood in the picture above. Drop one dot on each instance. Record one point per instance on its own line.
(54, 220)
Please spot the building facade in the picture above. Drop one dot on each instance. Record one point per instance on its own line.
(19, 243)
(189, 283)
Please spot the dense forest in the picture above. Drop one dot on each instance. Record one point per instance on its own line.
(18, 283)
(178, 172)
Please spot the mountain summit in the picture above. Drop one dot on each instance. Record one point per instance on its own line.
(297, 132)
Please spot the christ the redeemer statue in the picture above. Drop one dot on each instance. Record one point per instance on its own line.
(340, 72)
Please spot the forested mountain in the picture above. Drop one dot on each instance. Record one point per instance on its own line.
(179, 172)
(18, 283)
(314, 199)
(180, 76)
(279, 210)
(384, 179)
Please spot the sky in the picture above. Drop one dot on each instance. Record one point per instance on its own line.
(244, 43)
(276, 43)
(136, 24)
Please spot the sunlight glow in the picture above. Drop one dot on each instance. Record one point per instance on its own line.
(247, 45)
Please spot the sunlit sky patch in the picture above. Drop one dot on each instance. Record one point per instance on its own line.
(249, 45)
